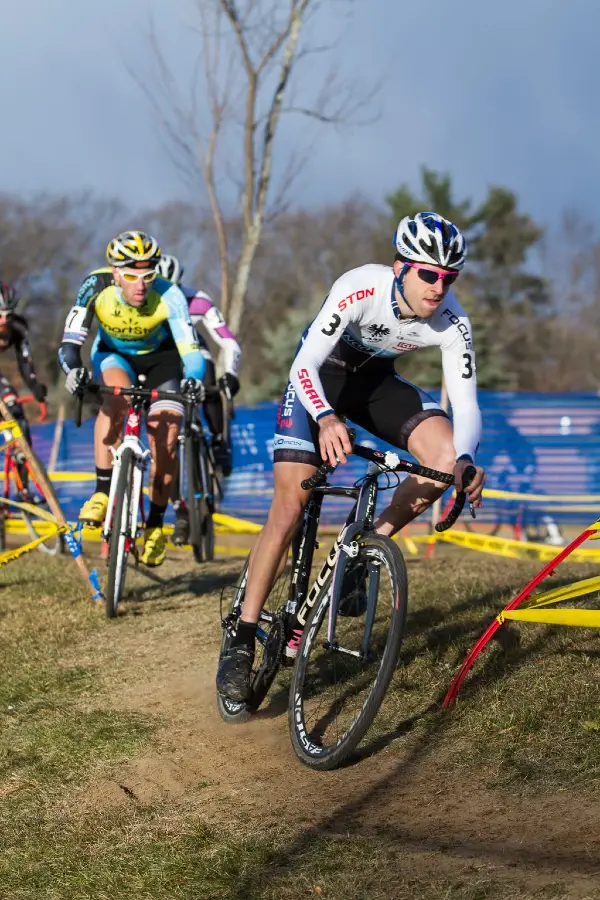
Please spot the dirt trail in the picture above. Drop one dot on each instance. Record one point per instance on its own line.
(162, 654)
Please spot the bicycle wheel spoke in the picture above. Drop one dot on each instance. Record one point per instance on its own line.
(338, 682)
(338, 689)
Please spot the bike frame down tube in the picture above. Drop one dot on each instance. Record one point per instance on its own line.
(131, 439)
(362, 511)
(305, 553)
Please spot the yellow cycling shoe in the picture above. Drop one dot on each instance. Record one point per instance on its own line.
(93, 512)
(155, 547)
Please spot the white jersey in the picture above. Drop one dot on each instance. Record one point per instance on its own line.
(360, 321)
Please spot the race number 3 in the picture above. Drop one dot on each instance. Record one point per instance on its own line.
(468, 369)
(332, 326)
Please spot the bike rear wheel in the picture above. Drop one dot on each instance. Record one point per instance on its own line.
(199, 507)
(120, 536)
(208, 529)
(269, 647)
(336, 693)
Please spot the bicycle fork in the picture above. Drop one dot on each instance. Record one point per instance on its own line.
(133, 503)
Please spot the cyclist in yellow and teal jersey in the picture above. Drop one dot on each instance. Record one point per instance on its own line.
(144, 329)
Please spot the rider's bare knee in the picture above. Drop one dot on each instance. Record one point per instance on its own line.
(115, 408)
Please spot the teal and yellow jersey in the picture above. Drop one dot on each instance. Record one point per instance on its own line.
(162, 320)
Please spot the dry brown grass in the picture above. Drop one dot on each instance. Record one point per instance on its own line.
(117, 779)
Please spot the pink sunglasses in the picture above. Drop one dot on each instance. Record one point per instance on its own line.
(432, 276)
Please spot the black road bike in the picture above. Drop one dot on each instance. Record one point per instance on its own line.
(353, 617)
(198, 485)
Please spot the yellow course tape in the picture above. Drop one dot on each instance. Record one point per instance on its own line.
(236, 526)
(584, 618)
(9, 555)
(532, 612)
(223, 524)
(490, 493)
(35, 511)
(409, 544)
(506, 546)
(62, 476)
(578, 589)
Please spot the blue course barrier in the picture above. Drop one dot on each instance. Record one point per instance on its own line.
(532, 443)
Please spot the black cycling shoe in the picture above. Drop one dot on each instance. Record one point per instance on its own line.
(222, 454)
(235, 672)
(354, 591)
(181, 529)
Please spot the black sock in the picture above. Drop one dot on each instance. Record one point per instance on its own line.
(103, 477)
(155, 516)
(245, 634)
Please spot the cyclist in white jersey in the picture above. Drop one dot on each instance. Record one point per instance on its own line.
(345, 366)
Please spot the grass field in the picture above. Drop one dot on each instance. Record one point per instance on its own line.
(118, 779)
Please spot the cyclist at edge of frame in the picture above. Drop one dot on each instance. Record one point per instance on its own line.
(14, 332)
(344, 365)
(204, 314)
(144, 329)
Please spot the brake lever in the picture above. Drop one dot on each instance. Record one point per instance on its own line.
(467, 477)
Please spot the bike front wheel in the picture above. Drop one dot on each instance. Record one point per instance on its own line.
(337, 690)
(120, 537)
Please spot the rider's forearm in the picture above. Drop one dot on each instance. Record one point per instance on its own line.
(467, 430)
(69, 356)
(461, 382)
(194, 364)
(27, 372)
(304, 376)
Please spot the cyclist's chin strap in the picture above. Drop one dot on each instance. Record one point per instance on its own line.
(398, 282)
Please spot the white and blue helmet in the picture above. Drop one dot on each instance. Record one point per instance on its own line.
(170, 268)
(431, 239)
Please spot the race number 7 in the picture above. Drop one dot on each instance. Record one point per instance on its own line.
(76, 318)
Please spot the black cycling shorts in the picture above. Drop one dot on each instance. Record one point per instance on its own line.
(161, 370)
(386, 405)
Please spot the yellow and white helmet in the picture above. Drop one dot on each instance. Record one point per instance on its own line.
(132, 247)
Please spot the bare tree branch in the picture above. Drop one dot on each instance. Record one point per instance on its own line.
(252, 236)
(250, 49)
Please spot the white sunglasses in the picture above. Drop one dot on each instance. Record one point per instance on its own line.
(132, 275)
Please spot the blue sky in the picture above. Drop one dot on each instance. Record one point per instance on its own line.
(493, 93)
